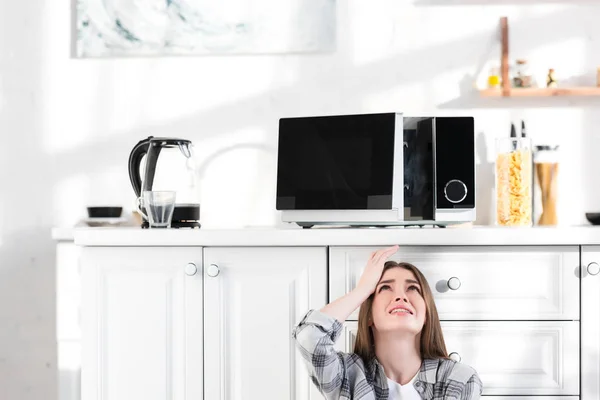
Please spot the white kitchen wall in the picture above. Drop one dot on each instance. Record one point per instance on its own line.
(67, 125)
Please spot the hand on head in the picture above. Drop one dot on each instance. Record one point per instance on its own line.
(372, 273)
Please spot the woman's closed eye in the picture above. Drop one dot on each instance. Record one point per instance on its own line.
(414, 287)
(384, 287)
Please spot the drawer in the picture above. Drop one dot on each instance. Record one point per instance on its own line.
(512, 358)
(496, 283)
(529, 397)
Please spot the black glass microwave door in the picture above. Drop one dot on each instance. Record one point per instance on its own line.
(419, 203)
(455, 155)
(335, 163)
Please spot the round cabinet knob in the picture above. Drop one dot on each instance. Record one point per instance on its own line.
(455, 191)
(593, 268)
(212, 270)
(455, 356)
(191, 269)
(454, 283)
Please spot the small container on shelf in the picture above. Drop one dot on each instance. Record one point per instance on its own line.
(513, 181)
(494, 79)
(522, 75)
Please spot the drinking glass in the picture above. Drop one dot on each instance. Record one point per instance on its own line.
(157, 207)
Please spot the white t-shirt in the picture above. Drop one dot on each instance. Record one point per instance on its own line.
(403, 392)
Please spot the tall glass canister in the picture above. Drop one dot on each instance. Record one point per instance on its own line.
(546, 160)
(514, 180)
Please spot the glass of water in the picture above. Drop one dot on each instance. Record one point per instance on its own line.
(157, 207)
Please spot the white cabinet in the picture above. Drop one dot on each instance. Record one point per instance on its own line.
(142, 323)
(512, 313)
(68, 323)
(193, 323)
(590, 323)
(253, 298)
(492, 283)
(511, 358)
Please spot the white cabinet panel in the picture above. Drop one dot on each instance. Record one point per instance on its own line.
(68, 321)
(521, 358)
(530, 398)
(509, 283)
(511, 358)
(254, 297)
(68, 292)
(590, 323)
(69, 369)
(142, 324)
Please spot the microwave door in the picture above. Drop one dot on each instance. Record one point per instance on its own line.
(336, 163)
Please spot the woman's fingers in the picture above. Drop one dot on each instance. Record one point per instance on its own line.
(392, 249)
(372, 272)
(384, 254)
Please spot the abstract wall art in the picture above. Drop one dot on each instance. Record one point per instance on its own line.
(113, 28)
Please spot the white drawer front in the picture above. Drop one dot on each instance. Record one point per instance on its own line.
(521, 358)
(507, 283)
(530, 397)
(511, 358)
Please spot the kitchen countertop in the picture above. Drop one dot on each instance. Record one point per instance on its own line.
(329, 236)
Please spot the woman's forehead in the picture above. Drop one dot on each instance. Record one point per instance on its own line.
(399, 274)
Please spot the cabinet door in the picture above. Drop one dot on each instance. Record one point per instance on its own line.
(254, 297)
(590, 323)
(488, 283)
(512, 358)
(142, 323)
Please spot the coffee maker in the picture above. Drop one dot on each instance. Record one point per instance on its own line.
(158, 163)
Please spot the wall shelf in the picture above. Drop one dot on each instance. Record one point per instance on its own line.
(541, 92)
(505, 90)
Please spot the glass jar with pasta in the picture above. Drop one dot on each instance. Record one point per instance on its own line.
(513, 181)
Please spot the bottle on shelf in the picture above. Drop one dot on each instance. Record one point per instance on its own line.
(551, 79)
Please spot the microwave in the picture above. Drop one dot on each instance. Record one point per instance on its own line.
(376, 170)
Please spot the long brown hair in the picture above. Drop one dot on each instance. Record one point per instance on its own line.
(432, 339)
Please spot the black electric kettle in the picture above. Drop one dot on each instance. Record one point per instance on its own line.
(157, 164)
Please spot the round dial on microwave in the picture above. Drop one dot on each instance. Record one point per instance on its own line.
(455, 191)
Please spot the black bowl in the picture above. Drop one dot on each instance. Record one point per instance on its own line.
(104, 212)
(594, 218)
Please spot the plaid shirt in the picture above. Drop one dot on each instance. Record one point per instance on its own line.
(344, 376)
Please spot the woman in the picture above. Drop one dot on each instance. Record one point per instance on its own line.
(399, 351)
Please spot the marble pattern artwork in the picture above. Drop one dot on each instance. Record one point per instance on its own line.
(112, 28)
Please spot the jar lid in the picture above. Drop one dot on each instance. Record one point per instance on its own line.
(546, 154)
(546, 148)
